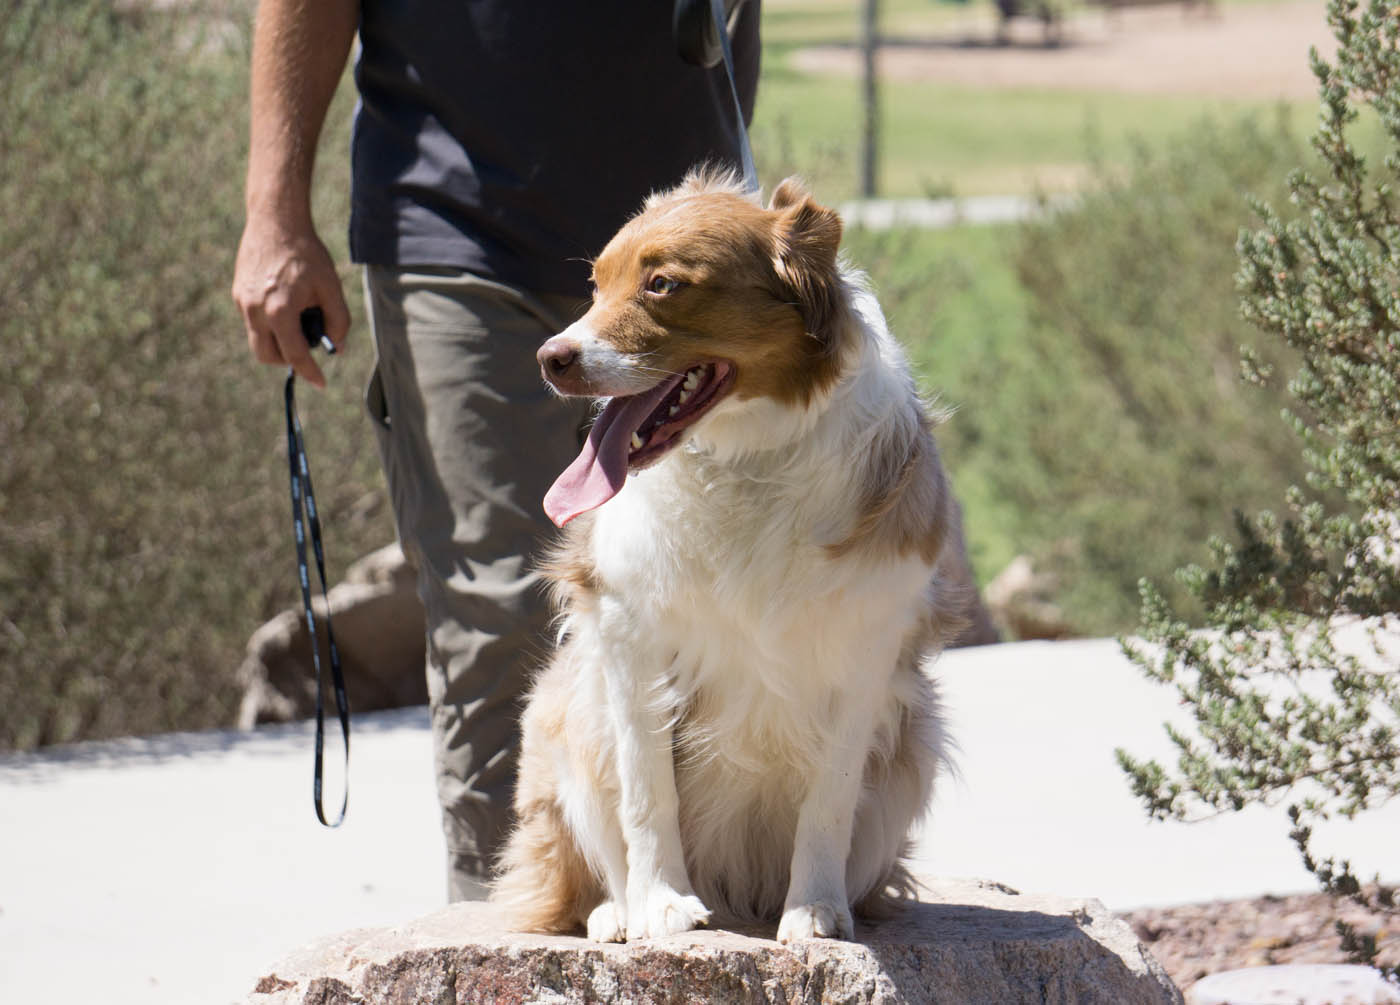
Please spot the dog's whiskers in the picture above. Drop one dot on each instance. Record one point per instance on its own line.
(660, 370)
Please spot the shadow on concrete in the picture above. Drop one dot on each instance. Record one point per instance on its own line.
(291, 737)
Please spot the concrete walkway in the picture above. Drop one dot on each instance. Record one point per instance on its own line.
(935, 214)
(178, 869)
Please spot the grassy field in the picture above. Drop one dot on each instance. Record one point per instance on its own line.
(942, 139)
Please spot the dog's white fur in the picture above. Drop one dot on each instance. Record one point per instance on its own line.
(737, 717)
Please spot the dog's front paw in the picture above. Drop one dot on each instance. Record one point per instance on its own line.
(816, 921)
(608, 922)
(663, 911)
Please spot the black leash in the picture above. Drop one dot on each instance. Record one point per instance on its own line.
(313, 326)
(717, 11)
(701, 29)
(695, 48)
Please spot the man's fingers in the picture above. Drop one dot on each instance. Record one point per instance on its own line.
(337, 314)
(294, 349)
(261, 342)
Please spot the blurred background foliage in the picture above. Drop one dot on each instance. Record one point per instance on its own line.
(144, 513)
(1116, 434)
(1091, 356)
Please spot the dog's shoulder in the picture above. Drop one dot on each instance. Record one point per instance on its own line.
(903, 506)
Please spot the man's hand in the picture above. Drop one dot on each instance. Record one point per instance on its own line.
(299, 52)
(281, 271)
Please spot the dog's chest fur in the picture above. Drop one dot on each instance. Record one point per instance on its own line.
(721, 591)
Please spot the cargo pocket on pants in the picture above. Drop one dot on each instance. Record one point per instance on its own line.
(375, 403)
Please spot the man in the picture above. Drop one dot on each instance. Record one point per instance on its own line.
(497, 146)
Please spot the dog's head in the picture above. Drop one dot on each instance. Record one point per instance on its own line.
(704, 296)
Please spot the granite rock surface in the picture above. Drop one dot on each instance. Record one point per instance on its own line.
(963, 943)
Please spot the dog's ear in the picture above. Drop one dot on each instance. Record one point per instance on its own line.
(790, 192)
(806, 237)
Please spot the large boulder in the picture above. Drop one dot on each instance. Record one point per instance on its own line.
(963, 943)
(379, 631)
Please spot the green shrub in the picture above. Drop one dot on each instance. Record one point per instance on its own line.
(1120, 431)
(1294, 687)
(144, 519)
(1091, 359)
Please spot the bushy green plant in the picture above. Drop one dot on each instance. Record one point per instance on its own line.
(144, 519)
(1091, 361)
(1295, 683)
(1114, 424)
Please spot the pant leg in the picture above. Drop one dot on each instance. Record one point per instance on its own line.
(471, 440)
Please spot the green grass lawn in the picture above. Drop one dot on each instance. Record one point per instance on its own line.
(940, 140)
(943, 139)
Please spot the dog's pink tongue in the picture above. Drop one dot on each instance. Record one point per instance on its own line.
(600, 469)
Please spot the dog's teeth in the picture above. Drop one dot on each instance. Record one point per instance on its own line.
(636, 442)
(692, 380)
(675, 409)
(683, 395)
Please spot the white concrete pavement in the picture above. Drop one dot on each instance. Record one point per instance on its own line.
(178, 869)
(936, 214)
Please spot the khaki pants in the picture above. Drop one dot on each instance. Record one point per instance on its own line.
(471, 439)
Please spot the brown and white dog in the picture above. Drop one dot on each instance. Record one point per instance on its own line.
(736, 719)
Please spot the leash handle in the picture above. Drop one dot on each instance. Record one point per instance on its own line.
(304, 518)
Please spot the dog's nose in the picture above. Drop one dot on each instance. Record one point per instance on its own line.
(557, 357)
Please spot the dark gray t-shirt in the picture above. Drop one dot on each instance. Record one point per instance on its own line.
(511, 138)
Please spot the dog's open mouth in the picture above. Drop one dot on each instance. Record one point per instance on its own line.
(686, 399)
(633, 432)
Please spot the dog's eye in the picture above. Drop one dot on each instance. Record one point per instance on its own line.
(662, 285)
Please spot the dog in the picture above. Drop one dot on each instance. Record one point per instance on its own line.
(760, 555)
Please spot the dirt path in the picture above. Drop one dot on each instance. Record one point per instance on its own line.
(1194, 940)
(1248, 51)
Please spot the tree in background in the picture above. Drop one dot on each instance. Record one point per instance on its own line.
(1294, 683)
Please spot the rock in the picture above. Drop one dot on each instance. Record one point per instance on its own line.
(964, 943)
(1020, 599)
(378, 622)
(1193, 941)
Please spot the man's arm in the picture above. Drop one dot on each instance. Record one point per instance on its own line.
(299, 51)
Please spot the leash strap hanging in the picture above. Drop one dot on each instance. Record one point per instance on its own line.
(745, 151)
(304, 518)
